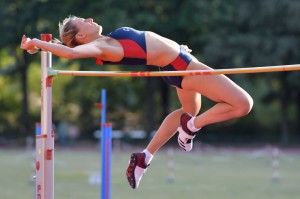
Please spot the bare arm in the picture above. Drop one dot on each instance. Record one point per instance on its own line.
(82, 51)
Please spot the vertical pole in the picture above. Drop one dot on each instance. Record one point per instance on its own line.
(275, 165)
(103, 161)
(108, 160)
(102, 143)
(106, 150)
(45, 141)
(171, 166)
(37, 133)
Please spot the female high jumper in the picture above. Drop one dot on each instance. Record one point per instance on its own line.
(82, 38)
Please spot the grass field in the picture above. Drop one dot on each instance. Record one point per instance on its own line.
(213, 174)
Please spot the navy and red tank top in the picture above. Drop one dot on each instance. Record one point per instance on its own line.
(135, 53)
(134, 46)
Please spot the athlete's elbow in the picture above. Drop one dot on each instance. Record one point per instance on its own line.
(70, 57)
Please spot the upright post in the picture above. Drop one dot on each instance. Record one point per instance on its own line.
(102, 145)
(275, 165)
(103, 109)
(106, 189)
(45, 140)
(37, 133)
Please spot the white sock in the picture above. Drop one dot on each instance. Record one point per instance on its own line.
(149, 156)
(191, 125)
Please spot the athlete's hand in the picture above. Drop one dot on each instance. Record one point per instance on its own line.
(186, 48)
(28, 44)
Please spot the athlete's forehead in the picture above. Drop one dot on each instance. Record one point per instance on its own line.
(81, 19)
(78, 19)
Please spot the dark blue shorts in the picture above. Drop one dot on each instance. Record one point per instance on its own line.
(180, 63)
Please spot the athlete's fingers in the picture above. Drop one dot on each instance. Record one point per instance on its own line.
(23, 39)
(24, 42)
(186, 48)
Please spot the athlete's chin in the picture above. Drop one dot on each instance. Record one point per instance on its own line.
(100, 29)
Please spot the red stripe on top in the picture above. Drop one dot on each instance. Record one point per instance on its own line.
(179, 64)
(133, 74)
(140, 74)
(207, 72)
(99, 61)
(132, 49)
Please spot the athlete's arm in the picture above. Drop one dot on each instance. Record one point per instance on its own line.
(82, 51)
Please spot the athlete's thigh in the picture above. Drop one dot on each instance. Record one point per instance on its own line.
(190, 101)
(216, 87)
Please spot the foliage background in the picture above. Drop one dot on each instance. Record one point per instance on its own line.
(222, 34)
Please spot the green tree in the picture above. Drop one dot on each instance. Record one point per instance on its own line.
(222, 34)
(268, 37)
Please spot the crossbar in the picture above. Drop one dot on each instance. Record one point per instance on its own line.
(264, 69)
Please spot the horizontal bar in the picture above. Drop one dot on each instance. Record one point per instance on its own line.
(264, 69)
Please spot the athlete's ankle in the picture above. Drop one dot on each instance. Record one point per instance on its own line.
(191, 125)
(148, 157)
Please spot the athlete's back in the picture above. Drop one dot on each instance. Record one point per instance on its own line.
(160, 50)
(143, 48)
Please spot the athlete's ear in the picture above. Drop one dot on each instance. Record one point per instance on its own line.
(80, 36)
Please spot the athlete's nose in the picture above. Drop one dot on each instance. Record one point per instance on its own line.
(89, 20)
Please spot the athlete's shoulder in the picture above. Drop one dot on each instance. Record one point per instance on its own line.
(122, 29)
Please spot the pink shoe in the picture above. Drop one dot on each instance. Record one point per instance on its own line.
(185, 136)
(136, 169)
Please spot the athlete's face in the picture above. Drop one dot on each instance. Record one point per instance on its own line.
(88, 26)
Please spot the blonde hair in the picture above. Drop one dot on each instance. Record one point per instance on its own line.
(68, 31)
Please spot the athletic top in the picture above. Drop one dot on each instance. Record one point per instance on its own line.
(134, 46)
(135, 53)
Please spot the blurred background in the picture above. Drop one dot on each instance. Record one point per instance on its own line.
(222, 34)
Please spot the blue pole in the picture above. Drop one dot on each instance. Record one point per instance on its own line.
(38, 130)
(103, 110)
(103, 162)
(103, 148)
(109, 155)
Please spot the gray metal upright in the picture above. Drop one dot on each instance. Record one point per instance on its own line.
(45, 139)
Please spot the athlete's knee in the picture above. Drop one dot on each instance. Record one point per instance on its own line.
(191, 110)
(244, 106)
